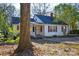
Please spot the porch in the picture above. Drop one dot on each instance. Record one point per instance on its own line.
(37, 30)
(48, 30)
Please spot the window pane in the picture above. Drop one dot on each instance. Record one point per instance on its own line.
(54, 28)
(40, 28)
(33, 29)
(49, 28)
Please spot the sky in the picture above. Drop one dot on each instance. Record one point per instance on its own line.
(17, 6)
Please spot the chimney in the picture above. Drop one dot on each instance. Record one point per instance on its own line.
(52, 15)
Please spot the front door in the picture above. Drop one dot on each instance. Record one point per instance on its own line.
(39, 30)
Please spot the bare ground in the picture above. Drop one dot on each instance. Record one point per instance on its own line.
(45, 48)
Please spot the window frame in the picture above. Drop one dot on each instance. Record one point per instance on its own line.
(52, 28)
(33, 29)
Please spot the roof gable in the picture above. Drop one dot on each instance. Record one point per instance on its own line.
(45, 19)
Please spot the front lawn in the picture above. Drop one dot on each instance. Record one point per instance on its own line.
(45, 48)
(56, 49)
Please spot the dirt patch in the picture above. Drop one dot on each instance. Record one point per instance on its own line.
(44, 48)
(7, 50)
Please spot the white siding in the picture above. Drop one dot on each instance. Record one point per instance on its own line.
(59, 31)
(49, 33)
(45, 30)
(67, 29)
(32, 34)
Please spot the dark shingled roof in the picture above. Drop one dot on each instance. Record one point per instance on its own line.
(15, 20)
(45, 19)
(32, 20)
(59, 22)
(49, 20)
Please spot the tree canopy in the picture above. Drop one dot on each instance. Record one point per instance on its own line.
(40, 8)
(6, 12)
(66, 13)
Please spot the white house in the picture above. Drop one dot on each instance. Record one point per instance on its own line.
(44, 26)
(41, 25)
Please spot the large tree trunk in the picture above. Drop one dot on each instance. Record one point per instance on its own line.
(25, 42)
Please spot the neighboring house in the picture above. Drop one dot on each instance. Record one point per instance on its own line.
(16, 25)
(41, 25)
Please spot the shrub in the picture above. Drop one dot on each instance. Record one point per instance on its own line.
(54, 35)
(10, 41)
(17, 40)
(74, 32)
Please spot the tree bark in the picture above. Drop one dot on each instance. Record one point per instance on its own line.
(25, 41)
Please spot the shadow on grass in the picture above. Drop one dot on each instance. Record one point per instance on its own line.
(2, 44)
(55, 40)
(42, 41)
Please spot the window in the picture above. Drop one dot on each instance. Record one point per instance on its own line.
(40, 28)
(17, 27)
(49, 28)
(52, 28)
(33, 29)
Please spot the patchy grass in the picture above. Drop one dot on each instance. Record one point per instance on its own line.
(45, 48)
(61, 49)
(57, 49)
